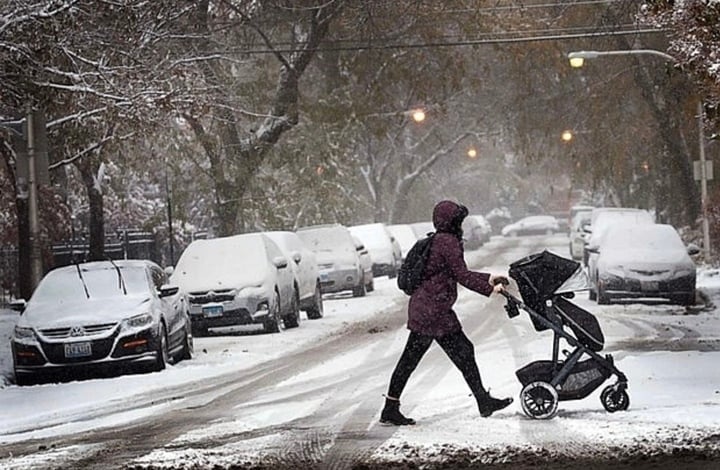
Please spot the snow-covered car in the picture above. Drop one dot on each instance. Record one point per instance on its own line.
(600, 222)
(366, 264)
(305, 269)
(405, 237)
(498, 218)
(473, 233)
(579, 234)
(337, 257)
(237, 280)
(483, 226)
(384, 251)
(603, 217)
(113, 314)
(532, 225)
(645, 260)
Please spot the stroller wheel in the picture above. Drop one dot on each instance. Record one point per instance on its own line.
(614, 399)
(539, 400)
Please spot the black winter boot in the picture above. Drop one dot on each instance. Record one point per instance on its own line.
(391, 414)
(488, 405)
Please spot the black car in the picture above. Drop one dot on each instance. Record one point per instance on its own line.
(103, 313)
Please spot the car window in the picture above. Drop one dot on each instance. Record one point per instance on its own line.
(67, 284)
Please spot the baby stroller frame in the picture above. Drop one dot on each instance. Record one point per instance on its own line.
(546, 383)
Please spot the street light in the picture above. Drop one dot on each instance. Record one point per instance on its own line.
(577, 59)
(418, 115)
(472, 153)
(566, 136)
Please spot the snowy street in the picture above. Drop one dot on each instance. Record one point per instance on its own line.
(311, 396)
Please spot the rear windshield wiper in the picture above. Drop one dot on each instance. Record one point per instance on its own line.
(82, 279)
(121, 281)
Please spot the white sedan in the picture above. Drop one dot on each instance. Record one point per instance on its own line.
(532, 225)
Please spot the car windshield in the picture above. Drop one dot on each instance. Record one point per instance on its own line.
(101, 282)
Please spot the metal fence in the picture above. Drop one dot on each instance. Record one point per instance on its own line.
(8, 274)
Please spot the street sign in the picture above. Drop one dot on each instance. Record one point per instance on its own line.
(697, 170)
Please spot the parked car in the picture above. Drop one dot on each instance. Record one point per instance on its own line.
(645, 260)
(498, 218)
(579, 233)
(102, 313)
(337, 257)
(237, 280)
(304, 266)
(532, 225)
(485, 228)
(598, 230)
(366, 264)
(473, 235)
(384, 250)
(405, 237)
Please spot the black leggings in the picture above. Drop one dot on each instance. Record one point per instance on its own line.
(457, 346)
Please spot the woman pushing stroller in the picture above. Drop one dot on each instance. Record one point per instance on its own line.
(431, 317)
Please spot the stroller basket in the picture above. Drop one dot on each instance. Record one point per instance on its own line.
(583, 379)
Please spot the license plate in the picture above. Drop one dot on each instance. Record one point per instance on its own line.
(213, 311)
(78, 349)
(650, 286)
(324, 277)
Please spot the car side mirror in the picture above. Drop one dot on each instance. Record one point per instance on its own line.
(593, 249)
(693, 249)
(280, 262)
(169, 270)
(360, 248)
(18, 305)
(586, 228)
(297, 257)
(166, 290)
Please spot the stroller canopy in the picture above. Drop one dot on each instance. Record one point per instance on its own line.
(541, 275)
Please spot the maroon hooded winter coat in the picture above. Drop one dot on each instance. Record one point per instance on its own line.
(430, 312)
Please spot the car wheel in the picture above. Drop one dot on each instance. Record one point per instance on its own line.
(199, 330)
(370, 286)
(292, 319)
(684, 299)
(272, 322)
(602, 297)
(188, 345)
(161, 354)
(359, 291)
(593, 294)
(316, 311)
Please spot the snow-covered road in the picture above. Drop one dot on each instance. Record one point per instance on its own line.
(312, 395)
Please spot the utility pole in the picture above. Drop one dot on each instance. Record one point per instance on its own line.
(36, 270)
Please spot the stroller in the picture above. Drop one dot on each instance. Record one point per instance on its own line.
(546, 282)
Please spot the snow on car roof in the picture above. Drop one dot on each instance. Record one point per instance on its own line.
(227, 262)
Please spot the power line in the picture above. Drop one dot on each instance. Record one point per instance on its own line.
(471, 42)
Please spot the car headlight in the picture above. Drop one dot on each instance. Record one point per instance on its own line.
(24, 333)
(683, 272)
(138, 321)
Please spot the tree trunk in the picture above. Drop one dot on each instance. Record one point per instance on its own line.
(96, 222)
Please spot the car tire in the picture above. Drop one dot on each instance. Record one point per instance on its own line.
(602, 297)
(198, 331)
(359, 291)
(686, 300)
(273, 321)
(188, 345)
(370, 286)
(593, 294)
(162, 355)
(316, 311)
(292, 319)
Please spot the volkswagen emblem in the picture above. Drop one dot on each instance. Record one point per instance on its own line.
(77, 331)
